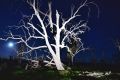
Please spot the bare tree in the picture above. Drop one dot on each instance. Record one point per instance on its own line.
(56, 34)
(118, 44)
(116, 54)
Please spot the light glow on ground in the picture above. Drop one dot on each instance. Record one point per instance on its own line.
(96, 74)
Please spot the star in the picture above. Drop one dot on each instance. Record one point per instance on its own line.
(10, 44)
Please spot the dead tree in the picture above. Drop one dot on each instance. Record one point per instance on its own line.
(47, 30)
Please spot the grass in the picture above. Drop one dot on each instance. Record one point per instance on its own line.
(16, 72)
(50, 74)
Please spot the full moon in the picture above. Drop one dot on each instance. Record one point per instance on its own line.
(10, 44)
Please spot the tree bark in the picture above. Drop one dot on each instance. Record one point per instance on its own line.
(58, 63)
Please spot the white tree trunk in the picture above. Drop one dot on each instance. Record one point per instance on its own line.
(56, 57)
(58, 63)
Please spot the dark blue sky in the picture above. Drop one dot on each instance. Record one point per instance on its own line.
(101, 38)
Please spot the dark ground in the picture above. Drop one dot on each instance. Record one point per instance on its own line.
(11, 70)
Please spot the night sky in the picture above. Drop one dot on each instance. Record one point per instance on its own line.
(101, 38)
